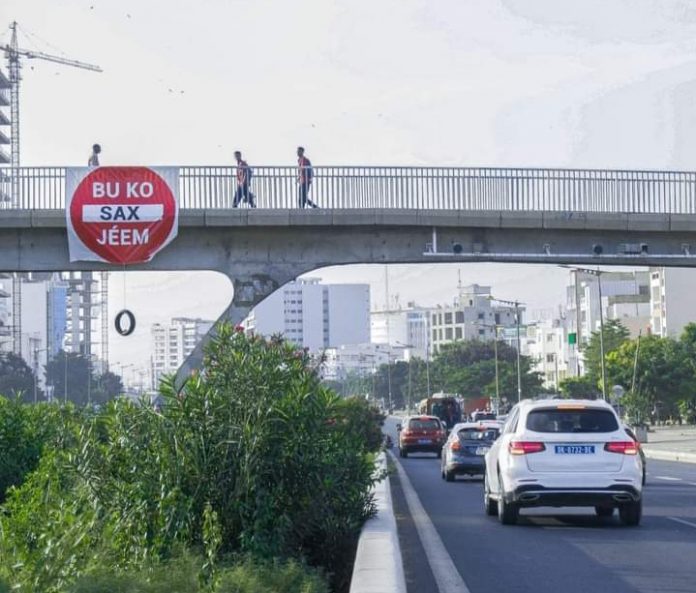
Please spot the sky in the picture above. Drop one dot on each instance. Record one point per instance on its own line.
(581, 83)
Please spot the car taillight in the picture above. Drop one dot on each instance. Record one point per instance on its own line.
(622, 447)
(526, 447)
(456, 446)
(406, 432)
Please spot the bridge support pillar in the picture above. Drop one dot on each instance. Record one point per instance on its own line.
(250, 288)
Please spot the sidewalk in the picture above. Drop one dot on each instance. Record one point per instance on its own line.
(671, 443)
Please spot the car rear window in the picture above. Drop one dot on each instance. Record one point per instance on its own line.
(586, 420)
(424, 424)
(476, 434)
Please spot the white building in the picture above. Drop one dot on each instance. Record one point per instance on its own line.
(473, 316)
(314, 315)
(405, 328)
(172, 343)
(625, 296)
(359, 359)
(672, 306)
(546, 344)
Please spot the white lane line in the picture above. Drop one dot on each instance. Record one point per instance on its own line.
(678, 520)
(445, 572)
(669, 478)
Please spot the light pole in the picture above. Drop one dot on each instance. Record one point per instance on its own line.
(515, 304)
(598, 273)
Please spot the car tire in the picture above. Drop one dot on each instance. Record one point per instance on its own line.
(508, 512)
(604, 511)
(631, 513)
(449, 476)
(404, 453)
(489, 504)
(439, 453)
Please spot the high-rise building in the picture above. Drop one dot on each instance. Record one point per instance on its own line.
(43, 313)
(625, 297)
(671, 300)
(404, 328)
(314, 315)
(172, 343)
(473, 316)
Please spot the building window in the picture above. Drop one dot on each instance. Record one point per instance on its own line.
(481, 332)
(459, 317)
(458, 333)
(549, 358)
(448, 333)
(481, 316)
(448, 318)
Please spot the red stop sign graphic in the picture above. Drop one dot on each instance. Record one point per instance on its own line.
(123, 214)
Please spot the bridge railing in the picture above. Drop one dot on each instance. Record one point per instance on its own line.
(421, 188)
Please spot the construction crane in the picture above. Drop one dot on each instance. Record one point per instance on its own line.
(13, 54)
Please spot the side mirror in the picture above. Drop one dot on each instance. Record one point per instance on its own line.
(398, 428)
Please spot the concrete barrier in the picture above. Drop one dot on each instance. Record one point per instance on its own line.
(662, 455)
(378, 565)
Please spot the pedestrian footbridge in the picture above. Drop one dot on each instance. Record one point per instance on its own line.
(378, 215)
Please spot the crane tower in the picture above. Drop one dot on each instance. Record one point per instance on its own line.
(13, 54)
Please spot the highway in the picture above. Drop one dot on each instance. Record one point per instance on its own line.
(550, 550)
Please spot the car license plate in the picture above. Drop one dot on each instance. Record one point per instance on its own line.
(482, 450)
(424, 441)
(575, 449)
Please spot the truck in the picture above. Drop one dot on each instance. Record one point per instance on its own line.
(446, 406)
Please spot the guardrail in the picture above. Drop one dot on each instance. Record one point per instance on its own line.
(419, 188)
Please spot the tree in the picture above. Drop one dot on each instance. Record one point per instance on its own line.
(579, 387)
(17, 377)
(468, 368)
(663, 376)
(109, 386)
(80, 381)
(615, 334)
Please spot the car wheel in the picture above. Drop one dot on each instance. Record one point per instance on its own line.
(449, 476)
(439, 453)
(489, 504)
(643, 477)
(631, 513)
(508, 512)
(604, 511)
(404, 453)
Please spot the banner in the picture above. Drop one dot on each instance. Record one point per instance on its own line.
(120, 215)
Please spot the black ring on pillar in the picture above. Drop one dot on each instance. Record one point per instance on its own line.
(118, 322)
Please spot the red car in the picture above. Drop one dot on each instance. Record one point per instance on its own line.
(421, 434)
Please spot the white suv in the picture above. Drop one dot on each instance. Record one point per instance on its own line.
(563, 453)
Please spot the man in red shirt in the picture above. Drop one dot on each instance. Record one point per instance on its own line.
(304, 179)
(243, 179)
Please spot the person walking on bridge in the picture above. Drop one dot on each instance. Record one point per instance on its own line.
(304, 179)
(94, 157)
(243, 179)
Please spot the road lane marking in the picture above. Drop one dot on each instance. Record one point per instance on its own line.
(669, 478)
(682, 521)
(444, 570)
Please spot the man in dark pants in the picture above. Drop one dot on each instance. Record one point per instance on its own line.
(243, 179)
(304, 179)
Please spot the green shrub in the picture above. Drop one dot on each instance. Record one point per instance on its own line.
(254, 457)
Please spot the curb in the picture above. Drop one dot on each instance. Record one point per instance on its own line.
(669, 455)
(378, 565)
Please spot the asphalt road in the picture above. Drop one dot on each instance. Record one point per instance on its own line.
(553, 550)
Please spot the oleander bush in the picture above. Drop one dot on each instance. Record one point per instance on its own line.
(252, 457)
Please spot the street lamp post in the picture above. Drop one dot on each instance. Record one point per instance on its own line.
(598, 273)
